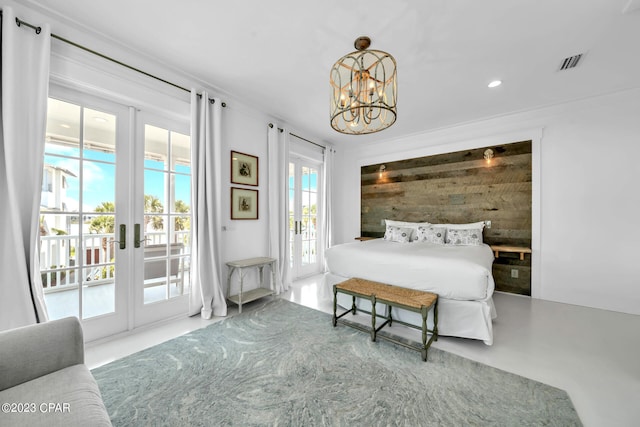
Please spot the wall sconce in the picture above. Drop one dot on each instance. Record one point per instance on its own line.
(381, 171)
(488, 155)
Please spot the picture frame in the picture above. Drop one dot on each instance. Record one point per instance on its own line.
(244, 203)
(244, 169)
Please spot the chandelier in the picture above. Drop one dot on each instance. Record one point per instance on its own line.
(363, 90)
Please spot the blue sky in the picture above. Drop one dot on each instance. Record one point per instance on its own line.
(99, 178)
(306, 180)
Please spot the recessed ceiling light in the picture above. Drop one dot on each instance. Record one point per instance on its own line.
(495, 83)
(66, 126)
(100, 119)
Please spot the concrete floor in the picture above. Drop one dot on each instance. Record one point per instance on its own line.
(592, 354)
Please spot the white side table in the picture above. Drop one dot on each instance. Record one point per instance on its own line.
(242, 265)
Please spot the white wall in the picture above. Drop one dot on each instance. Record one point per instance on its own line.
(586, 198)
(245, 133)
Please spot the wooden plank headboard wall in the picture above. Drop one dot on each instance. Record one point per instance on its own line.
(459, 187)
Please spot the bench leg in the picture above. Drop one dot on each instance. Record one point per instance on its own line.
(424, 311)
(335, 306)
(435, 321)
(353, 306)
(373, 317)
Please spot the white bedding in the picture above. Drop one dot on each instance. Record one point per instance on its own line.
(453, 272)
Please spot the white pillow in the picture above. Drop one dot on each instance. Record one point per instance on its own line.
(398, 234)
(412, 225)
(431, 234)
(464, 237)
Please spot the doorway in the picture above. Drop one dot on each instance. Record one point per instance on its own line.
(109, 203)
(305, 198)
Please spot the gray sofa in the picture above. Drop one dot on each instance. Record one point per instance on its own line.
(43, 378)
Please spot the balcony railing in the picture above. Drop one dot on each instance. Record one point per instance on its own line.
(60, 266)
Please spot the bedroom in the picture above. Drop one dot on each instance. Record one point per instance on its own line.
(584, 151)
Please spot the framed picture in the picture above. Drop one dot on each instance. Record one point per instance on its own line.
(244, 203)
(244, 169)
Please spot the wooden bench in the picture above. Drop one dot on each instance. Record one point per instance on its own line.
(392, 296)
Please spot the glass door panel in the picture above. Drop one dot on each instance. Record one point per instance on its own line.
(78, 216)
(303, 217)
(309, 216)
(167, 218)
(165, 201)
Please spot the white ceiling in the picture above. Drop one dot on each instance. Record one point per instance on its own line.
(277, 55)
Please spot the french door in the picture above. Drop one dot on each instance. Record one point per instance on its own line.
(83, 212)
(114, 215)
(304, 217)
(162, 213)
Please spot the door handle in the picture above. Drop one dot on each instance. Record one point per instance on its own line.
(123, 236)
(136, 236)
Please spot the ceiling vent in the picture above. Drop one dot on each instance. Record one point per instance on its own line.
(570, 62)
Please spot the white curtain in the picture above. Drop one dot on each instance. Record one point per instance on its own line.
(25, 85)
(207, 295)
(327, 184)
(278, 203)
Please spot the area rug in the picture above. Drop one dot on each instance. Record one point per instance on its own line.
(282, 364)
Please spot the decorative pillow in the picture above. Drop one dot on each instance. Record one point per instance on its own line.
(412, 225)
(398, 234)
(469, 226)
(431, 234)
(470, 237)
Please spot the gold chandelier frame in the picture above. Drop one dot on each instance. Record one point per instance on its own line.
(363, 91)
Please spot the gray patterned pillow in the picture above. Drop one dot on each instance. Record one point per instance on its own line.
(431, 235)
(471, 237)
(398, 234)
(412, 225)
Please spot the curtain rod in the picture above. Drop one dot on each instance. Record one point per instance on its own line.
(304, 139)
(310, 142)
(20, 22)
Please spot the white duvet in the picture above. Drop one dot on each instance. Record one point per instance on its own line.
(452, 272)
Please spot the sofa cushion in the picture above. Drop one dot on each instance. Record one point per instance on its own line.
(63, 398)
(39, 350)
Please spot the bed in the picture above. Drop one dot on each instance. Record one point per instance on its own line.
(459, 274)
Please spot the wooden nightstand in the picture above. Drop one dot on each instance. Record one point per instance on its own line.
(363, 239)
(513, 249)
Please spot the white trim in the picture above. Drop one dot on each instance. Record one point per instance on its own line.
(86, 73)
(536, 214)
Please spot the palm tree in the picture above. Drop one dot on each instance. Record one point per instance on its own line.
(153, 205)
(104, 224)
(182, 222)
